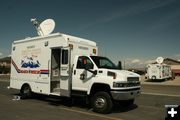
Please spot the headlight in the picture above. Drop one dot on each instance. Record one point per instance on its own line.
(115, 84)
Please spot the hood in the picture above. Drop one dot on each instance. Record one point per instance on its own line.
(124, 74)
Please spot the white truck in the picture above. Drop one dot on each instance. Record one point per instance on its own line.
(64, 65)
(158, 71)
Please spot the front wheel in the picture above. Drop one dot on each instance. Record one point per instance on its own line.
(102, 102)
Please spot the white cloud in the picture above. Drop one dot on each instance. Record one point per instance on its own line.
(149, 61)
(1, 54)
(135, 61)
(177, 55)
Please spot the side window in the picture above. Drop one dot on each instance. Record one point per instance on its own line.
(104, 63)
(64, 56)
(82, 60)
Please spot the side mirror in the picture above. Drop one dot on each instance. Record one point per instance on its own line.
(90, 66)
(95, 72)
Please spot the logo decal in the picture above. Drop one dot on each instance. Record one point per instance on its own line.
(41, 71)
(30, 62)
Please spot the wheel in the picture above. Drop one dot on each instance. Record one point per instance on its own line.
(102, 102)
(153, 77)
(25, 92)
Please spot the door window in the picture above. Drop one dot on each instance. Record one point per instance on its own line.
(64, 56)
(82, 61)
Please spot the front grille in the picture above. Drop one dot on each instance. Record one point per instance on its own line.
(132, 79)
(126, 84)
(132, 84)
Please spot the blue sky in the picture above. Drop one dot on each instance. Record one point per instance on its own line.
(135, 31)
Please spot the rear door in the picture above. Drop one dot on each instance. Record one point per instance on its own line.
(55, 69)
(65, 72)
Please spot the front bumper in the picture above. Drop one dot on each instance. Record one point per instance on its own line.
(125, 95)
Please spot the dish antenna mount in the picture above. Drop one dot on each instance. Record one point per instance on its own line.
(45, 28)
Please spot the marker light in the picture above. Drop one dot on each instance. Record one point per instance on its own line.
(94, 51)
(111, 74)
(71, 46)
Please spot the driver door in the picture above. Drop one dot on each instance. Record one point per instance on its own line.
(81, 77)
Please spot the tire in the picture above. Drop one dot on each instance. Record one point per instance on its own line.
(153, 77)
(101, 102)
(25, 92)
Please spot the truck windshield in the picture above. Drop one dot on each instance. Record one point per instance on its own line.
(103, 62)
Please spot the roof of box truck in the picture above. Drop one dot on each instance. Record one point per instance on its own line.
(67, 37)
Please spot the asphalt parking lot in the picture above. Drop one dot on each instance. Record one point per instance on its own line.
(149, 105)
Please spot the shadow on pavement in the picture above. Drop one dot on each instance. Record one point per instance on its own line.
(119, 108)
(162, 80)
(76, 102)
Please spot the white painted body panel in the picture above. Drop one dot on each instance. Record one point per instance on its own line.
(35, 48)
(158, 71)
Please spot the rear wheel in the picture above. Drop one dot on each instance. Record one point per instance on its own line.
(153, 77)
(102, 102)
(25, 92)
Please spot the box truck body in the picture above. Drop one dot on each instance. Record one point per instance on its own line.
(158, 71)
(64, 65)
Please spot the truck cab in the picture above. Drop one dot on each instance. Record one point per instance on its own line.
(99, 78)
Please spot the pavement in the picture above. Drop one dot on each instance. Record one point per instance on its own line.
(146, 106)
(4, 77)
(149, 105)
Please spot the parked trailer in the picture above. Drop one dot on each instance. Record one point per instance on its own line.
(159, 71)
(64, 65)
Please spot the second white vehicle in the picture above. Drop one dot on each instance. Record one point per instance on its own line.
(158, 71)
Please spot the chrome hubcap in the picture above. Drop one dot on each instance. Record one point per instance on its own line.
(100, 102)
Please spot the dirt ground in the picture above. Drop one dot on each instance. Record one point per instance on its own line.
(4, 76)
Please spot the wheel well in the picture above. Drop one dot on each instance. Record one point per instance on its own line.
(99, 87)
(153, 77)
(25, 84)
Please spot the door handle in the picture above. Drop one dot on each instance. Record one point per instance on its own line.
(74, 72)
(48, 67)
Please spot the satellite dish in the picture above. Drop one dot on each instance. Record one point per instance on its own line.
(45, 28)
(160, 60)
